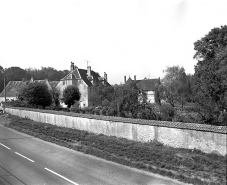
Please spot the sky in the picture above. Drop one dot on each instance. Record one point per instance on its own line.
(119, 37)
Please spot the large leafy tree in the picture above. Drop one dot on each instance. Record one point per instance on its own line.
(211, 73)
(101, 95)
(35, 94)
(175, 86)
(71, 94)
(125, 99)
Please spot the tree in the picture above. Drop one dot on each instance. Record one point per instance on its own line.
(55, 96)
(211, 74)
(125, 99)
(15, 74)
(173, 88)
(46, 73)
(157, 93)
(35, 94)
(183, 89)
(71, 94)
(1, 79)
(101, 95)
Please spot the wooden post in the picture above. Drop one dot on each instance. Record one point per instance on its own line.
(5, 87)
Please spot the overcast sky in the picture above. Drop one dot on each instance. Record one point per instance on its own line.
(119, 37)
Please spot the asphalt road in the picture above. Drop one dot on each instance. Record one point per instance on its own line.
(28, 160)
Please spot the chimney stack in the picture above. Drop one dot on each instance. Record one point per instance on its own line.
(135, 78)
(105, 76)
(72, 66)
(125, 79)
(88, 70)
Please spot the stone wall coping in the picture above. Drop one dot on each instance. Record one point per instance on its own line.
(178, 125)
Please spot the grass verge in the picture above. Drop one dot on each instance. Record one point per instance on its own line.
(189, 166)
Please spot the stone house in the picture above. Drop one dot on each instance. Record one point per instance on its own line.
(146, 86)
(83, 80)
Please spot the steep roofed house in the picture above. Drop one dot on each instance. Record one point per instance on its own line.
(11, 90)
(83, 80)
(13, 86)
(147, 87)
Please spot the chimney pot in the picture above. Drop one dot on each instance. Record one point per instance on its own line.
(125, 79)
(105, 76)
(88, 70)
(134, 77)
(72, 66)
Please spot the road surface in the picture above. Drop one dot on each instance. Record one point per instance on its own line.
(28, 160)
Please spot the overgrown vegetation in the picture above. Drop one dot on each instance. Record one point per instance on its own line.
(190, 166)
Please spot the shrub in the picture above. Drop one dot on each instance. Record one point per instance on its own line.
(17, 103)
(187, 118)
(191, 109)
(75, 109)
(167, 112)
(121, 114)
(97, 111)
(103, 111)
(222, 119)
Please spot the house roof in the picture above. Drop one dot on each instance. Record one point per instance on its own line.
(12, 87)
(147, 85)
(82, 73)
(53, 84)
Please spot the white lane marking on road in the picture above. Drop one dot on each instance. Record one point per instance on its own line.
(24, 157)
(5, 146)
(61, 176)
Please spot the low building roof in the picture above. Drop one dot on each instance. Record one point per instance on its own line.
(147, 85)
(11, 88)
(53, 84)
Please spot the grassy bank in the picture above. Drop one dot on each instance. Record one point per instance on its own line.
(190, 166)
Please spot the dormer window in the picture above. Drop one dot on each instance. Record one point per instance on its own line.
(101, 79)
(90, 78)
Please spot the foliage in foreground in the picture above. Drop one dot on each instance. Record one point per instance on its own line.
(35, 94)
(190, 166)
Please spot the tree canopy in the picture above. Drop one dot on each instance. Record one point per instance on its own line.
(175, 86)
(35, 94)
(71, 94)
(211, 73)
(101, 95)
(17, 74)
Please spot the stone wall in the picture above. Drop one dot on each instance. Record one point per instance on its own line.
(206, 138)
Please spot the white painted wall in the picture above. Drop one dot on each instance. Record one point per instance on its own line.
(180, 138)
